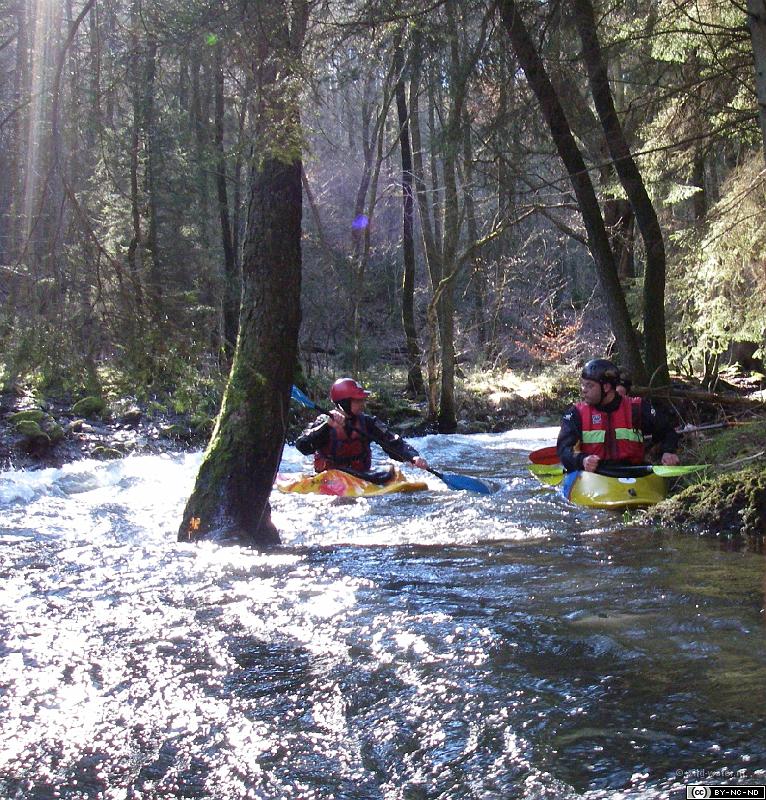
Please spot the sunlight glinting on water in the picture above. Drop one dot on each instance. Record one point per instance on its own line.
(436, 644)
(441, 516)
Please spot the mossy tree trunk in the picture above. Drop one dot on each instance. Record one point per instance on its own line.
(231, 495)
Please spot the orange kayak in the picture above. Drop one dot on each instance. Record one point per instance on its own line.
(337, 483)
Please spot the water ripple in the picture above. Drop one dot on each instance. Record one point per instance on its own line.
(434, 645)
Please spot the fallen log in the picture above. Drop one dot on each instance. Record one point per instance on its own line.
(698, 396)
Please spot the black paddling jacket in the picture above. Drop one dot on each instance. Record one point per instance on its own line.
(351, 448)
(653, 424)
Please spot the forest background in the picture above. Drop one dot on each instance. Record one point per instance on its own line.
(484, 186)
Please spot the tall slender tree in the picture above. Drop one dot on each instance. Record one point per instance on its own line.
(231, 282)
(598, 239)
(414, 373)
(756, 18)
(655, 347)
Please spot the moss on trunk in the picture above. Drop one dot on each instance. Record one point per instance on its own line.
(230, 498)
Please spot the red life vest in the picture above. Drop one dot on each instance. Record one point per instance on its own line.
(344, 449)
(613, 435)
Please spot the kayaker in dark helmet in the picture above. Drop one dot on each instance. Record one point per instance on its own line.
(609, 426)
(341, 440)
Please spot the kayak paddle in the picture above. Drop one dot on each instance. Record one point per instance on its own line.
(299, 397)
(461, 482)
(545, 455)
(453, 481)
(624, 471)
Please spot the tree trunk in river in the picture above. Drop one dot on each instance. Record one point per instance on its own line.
(230, 498)
(237, 474)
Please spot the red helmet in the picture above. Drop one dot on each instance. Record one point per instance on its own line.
(347, 389)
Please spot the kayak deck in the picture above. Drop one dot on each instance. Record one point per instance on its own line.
(593, 490)
(336, 483)
(600, 491)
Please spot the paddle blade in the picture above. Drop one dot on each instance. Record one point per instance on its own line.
(618, 471)
(465, 482)
(545, 455)
(299, 397)
(546, 469)
(637, 471)
(548, 474)
(681, 469)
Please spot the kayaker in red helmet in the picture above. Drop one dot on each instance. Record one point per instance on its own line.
(342, 438)
(610, 427)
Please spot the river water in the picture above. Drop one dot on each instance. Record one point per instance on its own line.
(431, 645)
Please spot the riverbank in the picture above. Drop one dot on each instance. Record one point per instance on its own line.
(49, 432)
(727, 501)
(38, 432)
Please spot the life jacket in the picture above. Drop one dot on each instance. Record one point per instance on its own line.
(348, 448)
(613, 435)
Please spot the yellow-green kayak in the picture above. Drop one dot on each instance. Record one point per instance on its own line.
(340, 484)
(600, 491)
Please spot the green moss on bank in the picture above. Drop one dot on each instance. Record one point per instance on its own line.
(89, 407)
(729, 505)
(730, 502)
(728, 445)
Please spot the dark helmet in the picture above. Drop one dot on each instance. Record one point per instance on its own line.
(601, 371)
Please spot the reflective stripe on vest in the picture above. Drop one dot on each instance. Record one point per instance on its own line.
(629, 434)
(613, 435)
